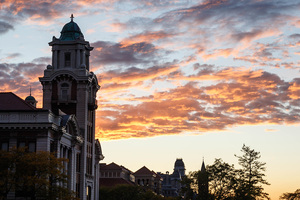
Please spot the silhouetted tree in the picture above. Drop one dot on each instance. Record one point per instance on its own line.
(251, 177)
(33, 175)
(221, 180)
(129, 192)
(291, 196)
(186, 187)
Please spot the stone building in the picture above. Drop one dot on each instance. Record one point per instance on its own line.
(113, 174)
(66, 122)
(171, 184)
(148, 179)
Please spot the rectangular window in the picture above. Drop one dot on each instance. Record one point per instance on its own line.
(52, 147)
(64, 94)
(31, 147)
(67, 59)
(4, 146)
(78, 162)
(88, 193)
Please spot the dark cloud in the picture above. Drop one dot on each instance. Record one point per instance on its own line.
(42, 60)
(118, 53)
(5, 27)
(295, 36)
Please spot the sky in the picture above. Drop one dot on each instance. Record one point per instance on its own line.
(179, 79)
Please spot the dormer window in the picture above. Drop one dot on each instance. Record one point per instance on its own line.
(67, 59)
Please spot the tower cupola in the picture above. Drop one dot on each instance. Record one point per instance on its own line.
(31, 100)
(71, 31)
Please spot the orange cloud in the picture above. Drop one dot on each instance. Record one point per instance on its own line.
(149, 37)
(294, 90)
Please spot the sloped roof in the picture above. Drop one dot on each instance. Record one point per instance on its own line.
(126, 169)
(111, 182)
(144, 171)
(111, 166)
(10, 101)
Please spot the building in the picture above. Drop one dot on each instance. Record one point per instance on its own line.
(66, 122)
(171, 184)
(112, 175)
(148, 179)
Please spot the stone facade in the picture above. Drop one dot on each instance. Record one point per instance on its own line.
(171, 184)
(113, 174)
(148, 179)
(66, 123)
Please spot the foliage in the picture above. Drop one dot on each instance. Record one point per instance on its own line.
(187, 186)
(227, 183)
(221, 180)
(33, 175)
(129, 192)
(291, 196)
(251, 177)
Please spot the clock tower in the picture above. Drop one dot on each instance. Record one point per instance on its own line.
(69, 87)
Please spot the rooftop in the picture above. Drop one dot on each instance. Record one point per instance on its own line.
(10, 101)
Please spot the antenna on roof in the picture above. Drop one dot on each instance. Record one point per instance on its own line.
(72, 17)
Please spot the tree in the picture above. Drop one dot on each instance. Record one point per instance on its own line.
(33, 175)
(221, 177)
(291, 196)
(251, 177)
(186, 187)
(129, 192)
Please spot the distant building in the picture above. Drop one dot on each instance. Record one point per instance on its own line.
(171, 184)
(66, 122)
(148, 179)
(112, 175)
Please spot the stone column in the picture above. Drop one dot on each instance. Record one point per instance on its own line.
(83, 57)
(78, 58)
(54, 59)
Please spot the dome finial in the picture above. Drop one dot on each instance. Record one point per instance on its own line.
(30, 91)
(72, 17)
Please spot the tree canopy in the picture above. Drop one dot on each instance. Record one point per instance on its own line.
(129, 192)
(291, 196)
(225, 182)
(33, 175)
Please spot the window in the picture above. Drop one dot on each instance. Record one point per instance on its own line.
(88, 193)
(4, 146)
(31, 146)
(89, 165)
(52, 146)
(67, 59)
(78, 160)
(64, 91)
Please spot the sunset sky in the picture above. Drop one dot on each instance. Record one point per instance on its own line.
(179, 79)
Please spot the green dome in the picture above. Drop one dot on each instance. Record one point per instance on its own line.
(70, 31)
(30, 98)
